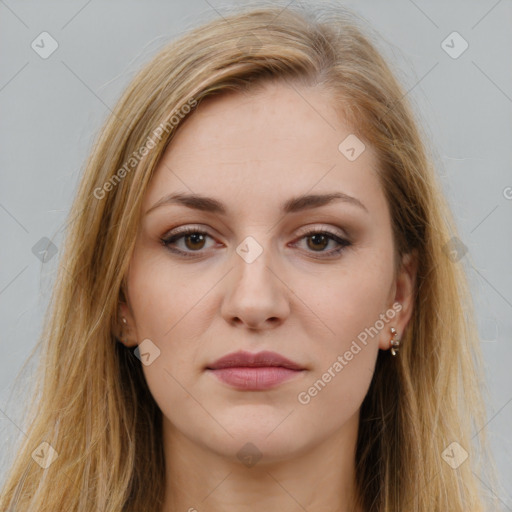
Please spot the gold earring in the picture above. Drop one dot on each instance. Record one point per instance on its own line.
(395, 343)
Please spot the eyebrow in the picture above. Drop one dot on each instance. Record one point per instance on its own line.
(293, 205)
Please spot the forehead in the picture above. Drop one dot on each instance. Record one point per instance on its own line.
(256, 150)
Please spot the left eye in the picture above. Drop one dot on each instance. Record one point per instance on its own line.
(195, 241)
(320, 239)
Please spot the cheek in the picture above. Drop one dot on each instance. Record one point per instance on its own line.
(163, 296)
(168, 310)
(353, 306)
(351, 301)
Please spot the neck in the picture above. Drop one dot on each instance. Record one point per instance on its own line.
(316, 478)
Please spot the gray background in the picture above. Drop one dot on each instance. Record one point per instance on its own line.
(52, 108)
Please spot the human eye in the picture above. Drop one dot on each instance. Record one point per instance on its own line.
(320, 238)
(194, 241)
(193, 237)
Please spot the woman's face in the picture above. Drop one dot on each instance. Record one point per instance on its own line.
(253, 278)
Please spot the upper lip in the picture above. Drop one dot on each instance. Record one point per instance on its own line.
(248, 359)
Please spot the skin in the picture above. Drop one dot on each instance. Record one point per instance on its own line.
(252, 152)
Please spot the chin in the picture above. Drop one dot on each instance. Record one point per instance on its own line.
(280, 442)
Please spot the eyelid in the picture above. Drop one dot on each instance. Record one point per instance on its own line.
(323, 227)
(185, 229)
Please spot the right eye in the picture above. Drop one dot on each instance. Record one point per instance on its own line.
(193, 237)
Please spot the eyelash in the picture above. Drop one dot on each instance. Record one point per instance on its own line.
(167, 241)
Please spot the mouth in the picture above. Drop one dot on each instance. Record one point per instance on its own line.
(254, 372)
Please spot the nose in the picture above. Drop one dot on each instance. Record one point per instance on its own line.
(256, 297)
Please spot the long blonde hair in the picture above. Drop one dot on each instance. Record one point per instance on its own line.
(93, 406)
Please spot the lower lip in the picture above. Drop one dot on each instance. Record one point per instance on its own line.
(254, 379)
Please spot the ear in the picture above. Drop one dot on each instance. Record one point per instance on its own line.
(403, 293)
(126, 332)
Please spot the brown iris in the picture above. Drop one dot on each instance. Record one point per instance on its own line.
(316, 236)
(198, 238)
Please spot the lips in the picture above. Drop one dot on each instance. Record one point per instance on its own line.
(245, 371)
(244, 359)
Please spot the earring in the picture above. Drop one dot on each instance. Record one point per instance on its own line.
(125, 323)
(395, 343)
